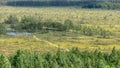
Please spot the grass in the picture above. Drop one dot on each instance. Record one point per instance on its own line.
(9, 44)
(61, 14)
(107, 19)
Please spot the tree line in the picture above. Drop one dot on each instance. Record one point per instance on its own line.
(103, 4)
(62, 59)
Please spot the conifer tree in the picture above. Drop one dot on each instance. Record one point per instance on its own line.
(4, 62)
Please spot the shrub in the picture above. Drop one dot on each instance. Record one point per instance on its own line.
(12, 20)
(2, 29)
(68, 25)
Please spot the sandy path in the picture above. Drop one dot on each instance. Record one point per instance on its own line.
(50, 43)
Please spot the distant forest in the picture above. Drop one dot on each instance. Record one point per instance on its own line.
(103, 4)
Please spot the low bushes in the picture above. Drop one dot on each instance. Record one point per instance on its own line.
(34, 24)
(2, 29)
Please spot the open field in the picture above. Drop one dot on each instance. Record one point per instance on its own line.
(85, 16)
(9, 44)
(91, 16)
(107, 19)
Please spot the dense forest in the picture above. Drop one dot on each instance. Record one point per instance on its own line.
(61, 59)
(103, 4)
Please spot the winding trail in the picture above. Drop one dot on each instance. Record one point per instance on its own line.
(50, 43)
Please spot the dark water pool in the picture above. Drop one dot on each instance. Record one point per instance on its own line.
(11, 31)
(18, 33)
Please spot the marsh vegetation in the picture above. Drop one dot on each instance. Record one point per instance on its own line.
(59, 37)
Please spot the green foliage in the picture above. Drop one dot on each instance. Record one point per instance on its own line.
(27, 60)
(92, 30)
(4, 62)
(35, 24)
(53, 25)
(103, 4)
(12, 20)
(27, 24)
(68, 25)
(72, 59)
(2, 29)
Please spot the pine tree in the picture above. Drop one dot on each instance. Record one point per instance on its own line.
(20, 60)
(38, 61)
(61, 59)
(4, 62)
(55, 64)
(101, 64)
(114, 57)
(68, 25)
